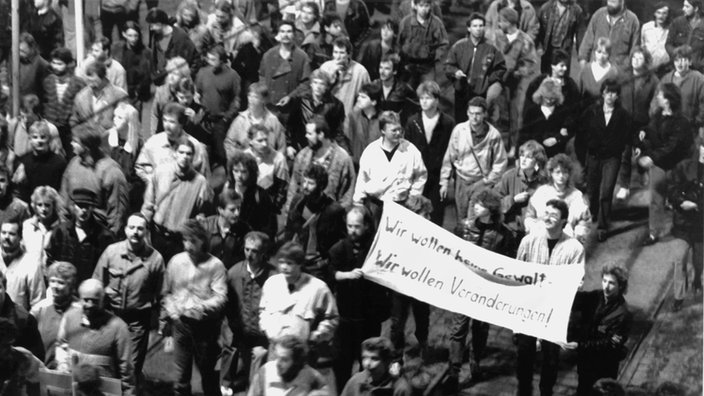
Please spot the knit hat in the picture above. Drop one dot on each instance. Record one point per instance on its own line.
(510, 15)
(84, 196)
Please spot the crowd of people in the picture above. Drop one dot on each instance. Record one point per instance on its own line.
(241, 214)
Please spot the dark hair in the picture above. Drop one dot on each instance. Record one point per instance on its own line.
(560, 56)
(607, 387)
(537, 151)
(618, 272)
(219, 51)
(343, 42)
(490, 200)
(388, 117)
(322, 126)
(374, 91)
(561, 206)
(192, 228)
(313, 6)
(259, 88)
(428, 88)
(8, 329)
(561, 160)
(224, 6)
(669, 388)
(698, 4)
(672, 93)
(391, 24)
(256, 129)
(188, 143)
(178, 110)
(611, 85)
(14, 220)
(97, 68)
(380, 345)
(477, 101)
(475, 16)
(297, 346)
(332, 17)
(259, 236)
(392, 57)
(3, 279)
(662, 4)
(28, 39)
(683, 51)
(90, 138)
(292, 251)
(284, 23)
(249, 163)
(63, 54)
(228, 196)
(318, 173)
(105, 43)
(185, 85)
(647, 57)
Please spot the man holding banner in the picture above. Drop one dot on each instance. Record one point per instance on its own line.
(552, 247)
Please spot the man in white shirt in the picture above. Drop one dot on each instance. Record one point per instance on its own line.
(100, 51)
(25, 279)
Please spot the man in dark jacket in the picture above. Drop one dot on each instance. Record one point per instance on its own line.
(475, 67)
(28, 334)
(686, 194)
(167, 42)
(688, 29)
(432, 143)
(562, 24)
(316, 221)
(606, 323)
(362, 304)
(227, 230)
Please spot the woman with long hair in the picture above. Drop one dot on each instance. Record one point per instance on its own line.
(123, 138)
(36, 231)
(136, 59)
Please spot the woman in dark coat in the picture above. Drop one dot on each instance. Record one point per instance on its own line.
(603, 134)
(136, 59)
(546, 121)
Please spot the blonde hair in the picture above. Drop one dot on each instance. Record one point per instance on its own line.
(52, 133)
(132, 116)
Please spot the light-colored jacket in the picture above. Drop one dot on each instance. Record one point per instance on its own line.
(474, 161)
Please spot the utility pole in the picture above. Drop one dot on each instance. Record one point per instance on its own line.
(15, 84)
(80, 41)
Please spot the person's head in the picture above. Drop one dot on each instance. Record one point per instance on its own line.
(508, 19)
(376, 356)
(185, 151)
(614, 280)
(555, 216)
(693, 8)
(428, 95)
(291, 353)
(62, 280)
(132, 34)
(342, 50)
(100, 50)
(388, 66)
(475, 26)
(610, 91)
(641, 59)
(174, 118)
(224, 12)
(28, 47)
(315, 180)
(607, 387)
(243, 170)
(359, 222)
(258, 135)
(661, 13)
(158, 21)
(369, 96)
(41, 4)
(195, 239)
(4, 132)
(320, 82)
(11, 235)
(310, 12)
(188, 15)
(96, 74)
(127, 117)
(318, 131)
(185, 92)
(256, 245)
(289, 260)
(548, 94)
(422, 8)
(39, 137)
(333, 25)
(136, 231)
(285, 32)
(390, 127)
(531, 155)
(216, 56)
(87, 142)
(614, 7)
(476, 111)
(45, 203)
(87, 379)
(83, 202)
(389, 30)
(30, 108)
(559, 62)
(682, 58)
(8, 334)
(229, 205)
(61, 58)
(177, 68)
(669, 96)
(602, 50)
(486, 203)
(561, 169)
(92, 296)
(257, 95)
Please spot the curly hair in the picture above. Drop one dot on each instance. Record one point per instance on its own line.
(618, 272)
(250, 165)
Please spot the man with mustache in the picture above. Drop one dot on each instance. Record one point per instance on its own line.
(619, 25)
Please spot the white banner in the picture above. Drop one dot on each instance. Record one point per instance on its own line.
(415, 257)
